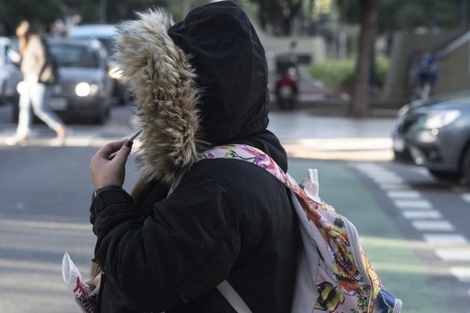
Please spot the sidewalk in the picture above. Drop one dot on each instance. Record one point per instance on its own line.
(318, 133)
(305, 134)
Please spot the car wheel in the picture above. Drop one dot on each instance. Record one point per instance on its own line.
(466, 166)
(445, 175)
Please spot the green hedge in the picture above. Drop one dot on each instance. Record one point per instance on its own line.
(340, 73)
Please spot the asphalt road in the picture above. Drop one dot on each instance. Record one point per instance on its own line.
(413, 229)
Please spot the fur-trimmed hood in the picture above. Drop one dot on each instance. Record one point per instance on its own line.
(197, 83)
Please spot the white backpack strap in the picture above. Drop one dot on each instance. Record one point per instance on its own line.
(233, 297)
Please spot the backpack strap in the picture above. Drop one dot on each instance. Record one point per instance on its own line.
(233, 297)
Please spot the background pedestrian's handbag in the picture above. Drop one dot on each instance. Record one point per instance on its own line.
(50, 71)
(334, 275)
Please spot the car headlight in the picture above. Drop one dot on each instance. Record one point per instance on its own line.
(85, 89)
(438, 119)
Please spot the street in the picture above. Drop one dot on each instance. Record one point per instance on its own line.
(413, 229)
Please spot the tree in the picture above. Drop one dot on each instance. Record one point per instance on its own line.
(39, 13)
(279, 15)
(360, 99)
(43, 13)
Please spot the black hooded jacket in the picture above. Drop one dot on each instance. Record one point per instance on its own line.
(198, 83)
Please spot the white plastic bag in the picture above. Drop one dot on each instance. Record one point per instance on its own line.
(80, 289)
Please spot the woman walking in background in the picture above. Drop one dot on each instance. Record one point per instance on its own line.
(34, 68)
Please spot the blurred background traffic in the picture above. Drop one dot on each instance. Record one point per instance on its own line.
(354, 58)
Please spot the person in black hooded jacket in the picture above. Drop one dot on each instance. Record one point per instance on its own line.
(198, 83)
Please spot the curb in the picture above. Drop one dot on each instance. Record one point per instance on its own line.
(348, 149)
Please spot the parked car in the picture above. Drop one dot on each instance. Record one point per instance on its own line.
(9, 72)
(435, 134)
(104, 33)
(84, 89)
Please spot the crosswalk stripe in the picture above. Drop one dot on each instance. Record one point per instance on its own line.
(445, 239)
(394, 186)
(466, 197)
(421, 214)
(388, 179)
(383, 175)
(368, 167)
(454, 255)
(432, 225)
(404, 194)
(413, 204)
(461, 273)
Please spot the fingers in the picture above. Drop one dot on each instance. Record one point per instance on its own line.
(107, 166)
(126, 148)
(96, 284)
(110, 148)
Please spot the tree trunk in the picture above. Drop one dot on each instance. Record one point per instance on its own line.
(359, 106)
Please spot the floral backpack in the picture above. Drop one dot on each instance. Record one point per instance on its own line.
(334, 274)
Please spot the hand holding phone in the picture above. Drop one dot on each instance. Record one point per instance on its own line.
(131, 138)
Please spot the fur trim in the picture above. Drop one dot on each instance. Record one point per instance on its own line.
(162, 80)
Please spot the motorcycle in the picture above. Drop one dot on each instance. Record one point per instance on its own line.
(287, 89)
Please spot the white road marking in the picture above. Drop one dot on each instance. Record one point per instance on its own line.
(445, 239)
(413, 204)
(368, 167)
(433, 225)
(461, 273)
(388, 179)
(454, 255)
(394, 186)
(404, 194)
(421, 214)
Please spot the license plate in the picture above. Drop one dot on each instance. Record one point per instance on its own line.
(398, 144)
(59, 104)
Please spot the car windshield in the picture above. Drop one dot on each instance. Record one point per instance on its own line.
(74, 56)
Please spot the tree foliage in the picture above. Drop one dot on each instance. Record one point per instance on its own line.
(43, 13)
(279, 14)
(429, 14)
(39, 13)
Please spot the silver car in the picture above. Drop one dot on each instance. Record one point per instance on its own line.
(435, 134)
(105, 34)
(9, 72)
(84, 88)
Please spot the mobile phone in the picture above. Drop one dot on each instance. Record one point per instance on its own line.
(131, 138)
(135, 135)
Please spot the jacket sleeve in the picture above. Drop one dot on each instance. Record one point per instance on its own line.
(185, 248)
